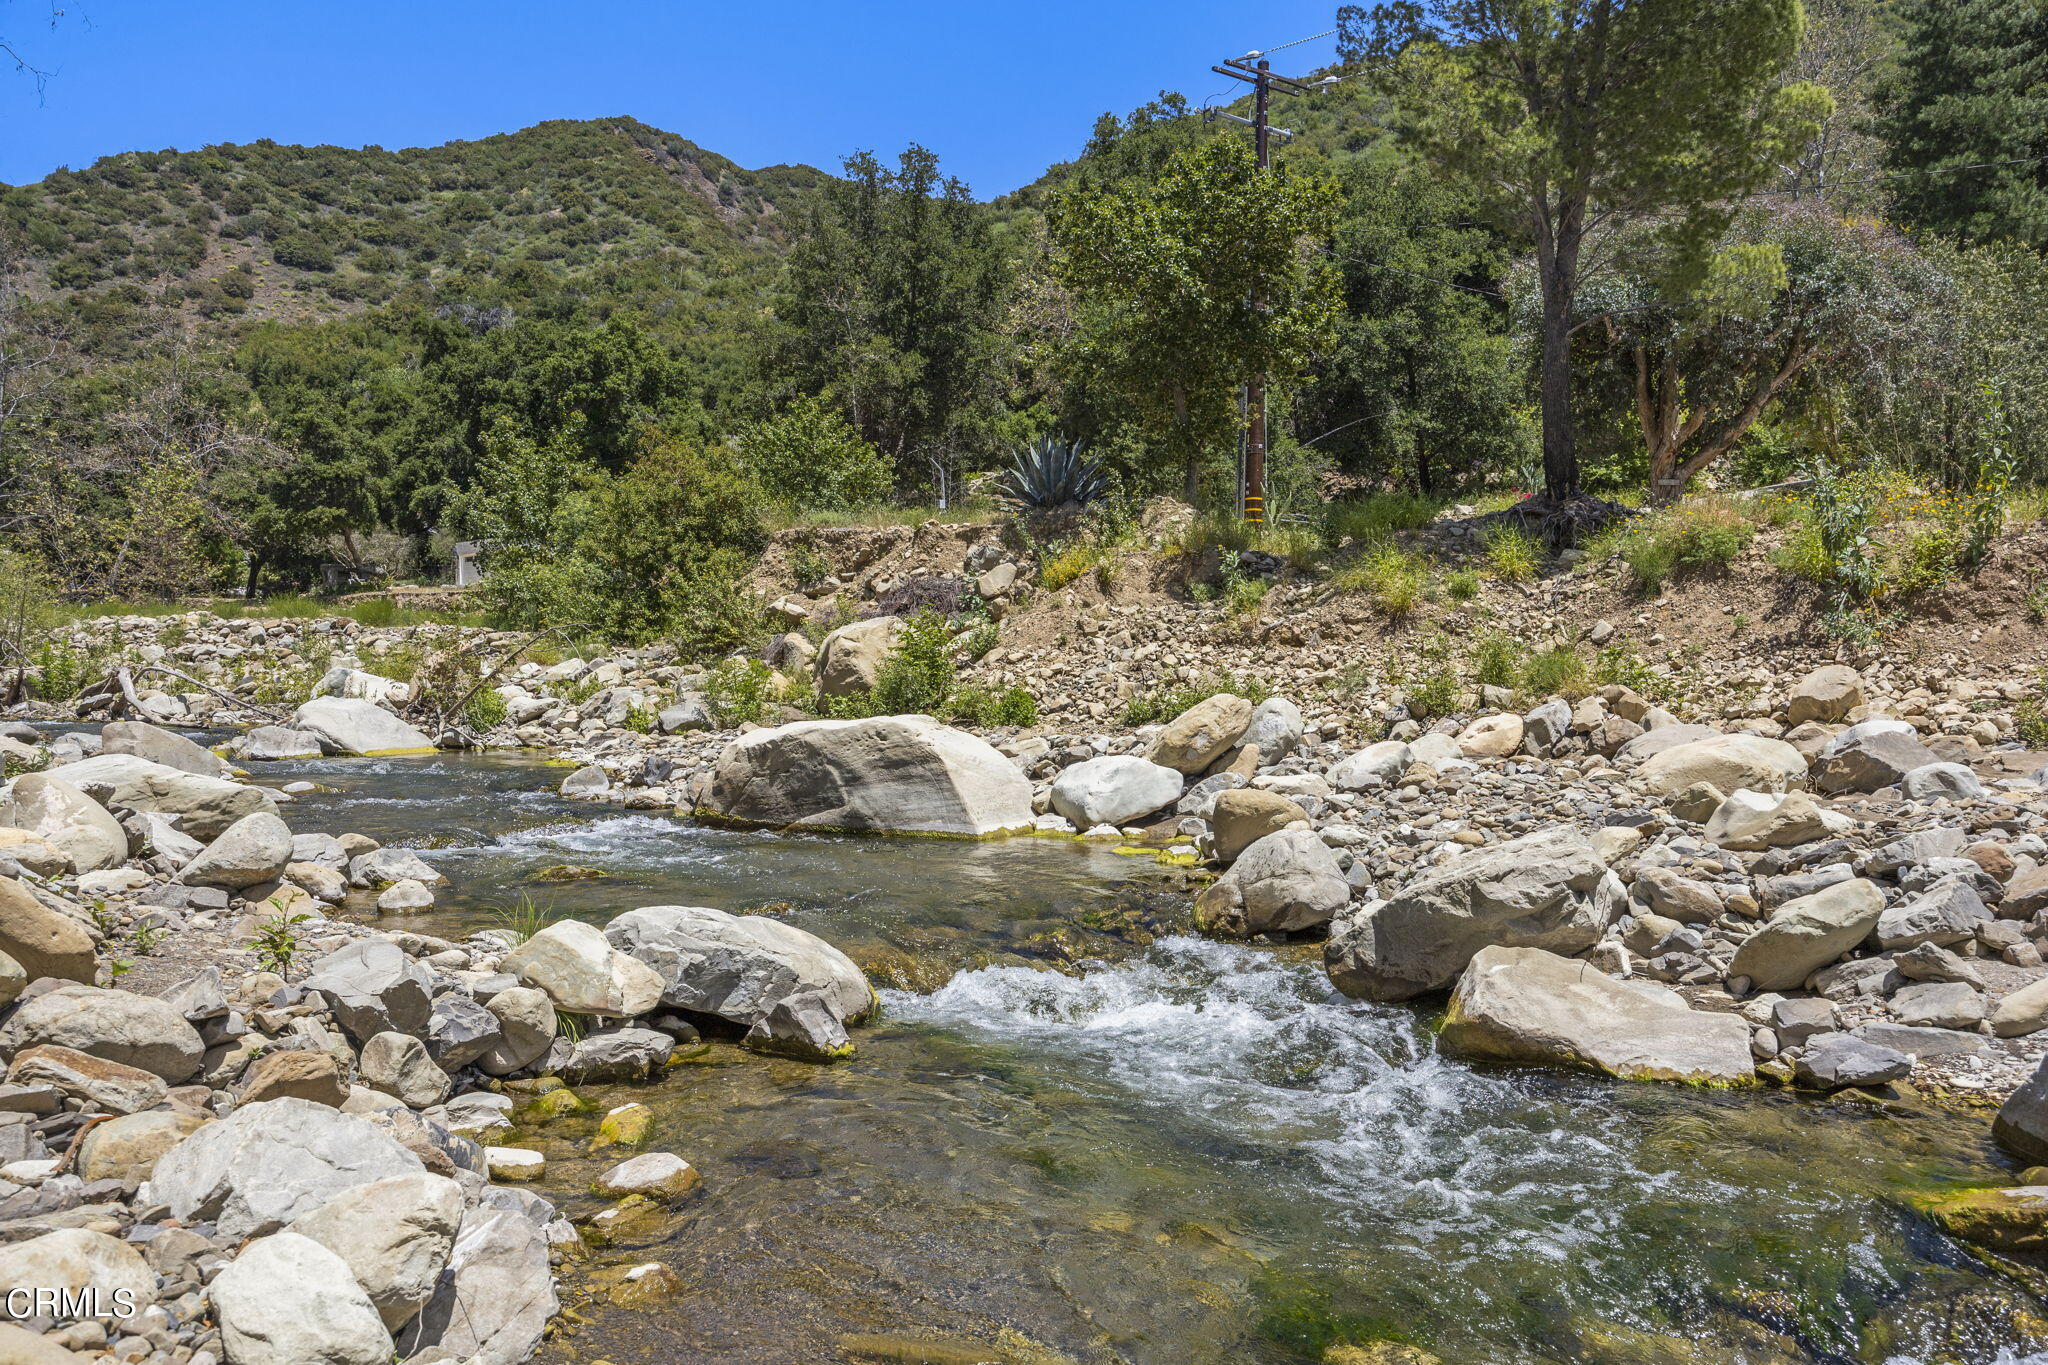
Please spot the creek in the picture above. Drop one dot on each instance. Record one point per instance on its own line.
(1176, 1150)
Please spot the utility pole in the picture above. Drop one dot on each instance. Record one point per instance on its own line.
(1264, 83)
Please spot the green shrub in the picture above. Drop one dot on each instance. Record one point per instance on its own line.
(981, 707)
(639, 718)
(1462, 586)
(1693, 537)
(486, 710)
(809, 457)
(1619, 665)
(1165, 703)
(1556, 672)
(737, 690)
(1395, 579)
(1493, 662)
(1372, 518)
(1512, 554)
(2030, 723)
(1436, 694)
(918, 675)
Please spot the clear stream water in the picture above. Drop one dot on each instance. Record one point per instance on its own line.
(1179, 1151)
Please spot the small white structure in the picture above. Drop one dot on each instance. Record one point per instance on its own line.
(469, 562)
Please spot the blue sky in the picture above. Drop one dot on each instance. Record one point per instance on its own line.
(999, 91)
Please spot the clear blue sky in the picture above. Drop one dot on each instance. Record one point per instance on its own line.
(999, 91)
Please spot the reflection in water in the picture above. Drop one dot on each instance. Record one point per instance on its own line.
(1194, 1154)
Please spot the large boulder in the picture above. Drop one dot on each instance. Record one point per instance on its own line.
(127, 1148)
(1284, 882)
(255, 849)
(738, 967)
(53, 808)
(907, 774)
(395, 1237)
(270, 743)
(78, 1258)
(1491, 736)
(1114, 790)
(1242, 816)
(1275, 729)
(851, 657)
(1727, 762)
(399, 1065)
(494, 1301)
(1646, 745)
(1375, 765)
(1827, 694)
(360, 685)
(358, 729)
(1808, 933)
(582, 973)
(34, 852)
(116, 1026)
(1753, 821)
(374, 987)
(287, 1300)
(1198, 736)
(268, 1163)
(45, 942)
(158, 745)
(1527, 1005)
(526, 1024)
(205, 806)
(113, 1086)
(1949, 911)
(1876, 753)
(2022, 1123)
(1547, 890)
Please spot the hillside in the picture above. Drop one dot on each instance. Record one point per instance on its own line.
(265, 230)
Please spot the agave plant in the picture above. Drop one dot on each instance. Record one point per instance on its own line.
(1049, 472)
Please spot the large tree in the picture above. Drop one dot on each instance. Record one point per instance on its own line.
(1195, 283)
(1574, 118)
(891, 310)
(1970, 123)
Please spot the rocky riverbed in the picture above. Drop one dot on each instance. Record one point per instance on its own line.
(1775, 971)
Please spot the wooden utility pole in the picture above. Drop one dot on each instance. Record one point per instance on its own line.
(1264, 83)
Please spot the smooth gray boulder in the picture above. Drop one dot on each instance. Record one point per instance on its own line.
(493, 1303)
(1547, 890)
(1728, 762)
(2022, 1123)
(44, 941)
(255, 849)
(394, 1235)
(158, 745)
(1200, 735)
(1872, 754)
(1806, 934)
(1947, 912)
(1838, 1061)
(359, 729)
(116, 1026)
(1544, 726)
(526, 1022)
(615, 1054)
(460, 1030)
(1827, 694)
(1275, 729)
(288, 1300)
(1643, 747)
(1114, 790)
(850, 658)
(1941, 782)
(272, 743)
(53, 808)
(738, 966)
(374, 987)
(1375, 765)
(398, 1065)
(270, 1162)
(76, 1259)
(1283, 882)
(801, 1026)
(584, 974)
(1528, 1005)
(390, 866)
(901, 774)
(206, 806)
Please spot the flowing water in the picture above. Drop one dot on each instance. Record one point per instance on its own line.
(1177, 1150)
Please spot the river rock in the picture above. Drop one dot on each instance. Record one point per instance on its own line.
(1376, 765)
(253, 850)
(1275, 730)
(1875, 753)
(1806, 934)
(1641, 746)
(615, 1054)
(656, 1175)
(374, 987)
(75, 1259)
(112, 1086)
(390, 866)
(287, 1300)
(1838, 1061)
(1545, 890)
(359, 729)
(907, 774)
(394, 1235)
(584, 974)
(2012, 1218)
(1200, 735)
(738, 966)
(850, 658)
(526, 1021)
(272, 743)
(1941, 782)
(13, 980)
(1947, 912)
(19, 1346)
(205, 806)
(1727, 761)
(2023, 1011)
(299, 1073)
(1491, 736)
(399, 1065)
(159, 745)
(1114, 790)
(801, 1026)
(1828, 694)
(34, 852)
(1284, 882)
(54, 809)
(2022, 1123)
(1241, 817)
(1750, 821)
(1527, 1005)
(268, 1163)
(127, 1148)
(493, 1304)
(44, 941)
(117, 1026)
(460, 1030)
(1938, 1004)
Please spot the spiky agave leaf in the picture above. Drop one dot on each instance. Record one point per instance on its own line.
(1050, 472)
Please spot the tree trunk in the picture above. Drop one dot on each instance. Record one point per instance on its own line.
(255, 573)
(1554, 388)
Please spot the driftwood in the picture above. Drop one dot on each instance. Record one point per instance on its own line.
(440, 715)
